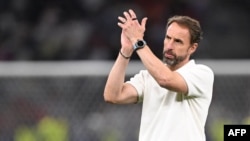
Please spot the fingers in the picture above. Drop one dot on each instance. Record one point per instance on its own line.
(132, 14)
(129, 16)
(123, 20)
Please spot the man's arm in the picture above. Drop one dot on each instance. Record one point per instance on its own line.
(116, 91)
(165, 77)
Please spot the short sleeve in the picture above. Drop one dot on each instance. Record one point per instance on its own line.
(199, 80)
(138, 81)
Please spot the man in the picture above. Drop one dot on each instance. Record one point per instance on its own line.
(176, 93)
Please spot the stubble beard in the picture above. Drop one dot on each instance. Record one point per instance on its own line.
(172, 62)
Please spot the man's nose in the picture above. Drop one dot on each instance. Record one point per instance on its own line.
(169, 45)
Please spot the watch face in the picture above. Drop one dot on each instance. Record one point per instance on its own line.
(140, 43)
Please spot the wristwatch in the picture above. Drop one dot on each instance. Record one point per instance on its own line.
(139, 44)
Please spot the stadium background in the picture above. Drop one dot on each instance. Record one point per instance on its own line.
(55, 56)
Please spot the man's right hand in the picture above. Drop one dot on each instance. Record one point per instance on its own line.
(127, 47)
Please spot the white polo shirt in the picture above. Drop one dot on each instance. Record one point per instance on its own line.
(171, 116)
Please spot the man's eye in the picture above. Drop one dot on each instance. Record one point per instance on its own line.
(167, 37)
(178, 41)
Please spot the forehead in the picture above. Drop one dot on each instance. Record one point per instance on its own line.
(178, 31)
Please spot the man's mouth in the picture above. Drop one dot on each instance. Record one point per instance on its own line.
(169, 55)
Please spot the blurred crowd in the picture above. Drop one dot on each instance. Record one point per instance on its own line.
(87, 29)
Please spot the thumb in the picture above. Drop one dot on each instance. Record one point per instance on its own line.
(143, 22)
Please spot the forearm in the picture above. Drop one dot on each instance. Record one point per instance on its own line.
(116, 79)
(154, 65)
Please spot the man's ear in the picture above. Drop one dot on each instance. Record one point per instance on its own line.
(193, 48)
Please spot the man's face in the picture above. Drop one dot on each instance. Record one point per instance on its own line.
(176, 45)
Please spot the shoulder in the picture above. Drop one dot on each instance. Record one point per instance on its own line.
(199, 78)
(193, 67)
(141, 77)
(143, 73)
(204, 68)
(199, 72)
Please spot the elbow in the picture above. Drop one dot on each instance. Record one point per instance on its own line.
(163, 82)
(166, 83)
(108, 99)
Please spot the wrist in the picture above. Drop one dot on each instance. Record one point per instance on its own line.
(125, 54)
(135, 40)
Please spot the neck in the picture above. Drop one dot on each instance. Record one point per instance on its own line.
(175, 67)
